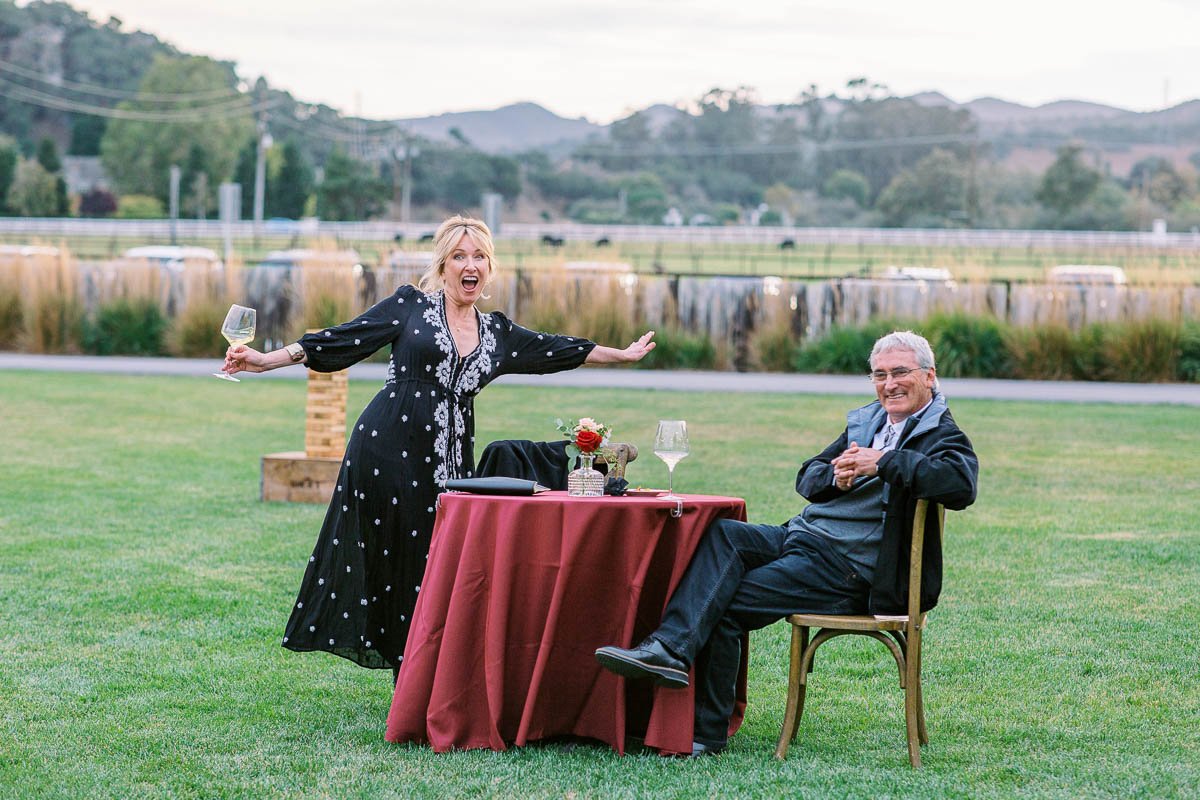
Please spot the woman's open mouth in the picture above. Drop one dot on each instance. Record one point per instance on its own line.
(469, 282)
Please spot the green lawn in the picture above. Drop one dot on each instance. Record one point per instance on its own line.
(144, 588)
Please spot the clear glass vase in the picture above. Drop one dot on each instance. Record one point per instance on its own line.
(585, 481)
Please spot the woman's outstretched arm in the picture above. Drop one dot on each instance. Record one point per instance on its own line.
(611, 355)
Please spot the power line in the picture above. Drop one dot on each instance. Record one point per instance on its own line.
(779, 149)
(240, 106)
(118, 94)
(329, 132)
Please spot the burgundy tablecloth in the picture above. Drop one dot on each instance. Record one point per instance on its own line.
(518, 594)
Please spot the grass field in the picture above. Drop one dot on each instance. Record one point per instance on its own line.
(144, 588)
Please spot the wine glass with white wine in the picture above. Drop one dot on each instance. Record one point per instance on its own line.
(671, 445)
(237, 329)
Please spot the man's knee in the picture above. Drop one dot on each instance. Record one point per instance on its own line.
(755, 541)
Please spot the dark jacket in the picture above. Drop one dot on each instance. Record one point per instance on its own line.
(934, 459)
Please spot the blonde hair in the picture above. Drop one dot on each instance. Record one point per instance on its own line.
(446, 239)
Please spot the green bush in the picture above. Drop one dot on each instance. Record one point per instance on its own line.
(1187, 368)
(677, 349)
(325, 311)
(968, 347)
(140, 206)
(843, 350)
(197, 331)
(1090, 360)
(775, 348)
(12, 320)
(1047, 353)
(126, 327)
(53, 324)
(1142, 352)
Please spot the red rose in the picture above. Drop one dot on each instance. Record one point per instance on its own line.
(587, 441)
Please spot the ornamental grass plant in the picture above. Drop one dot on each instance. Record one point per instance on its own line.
(47, 289)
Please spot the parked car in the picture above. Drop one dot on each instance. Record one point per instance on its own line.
(174, 257)
(301, 257)
(410, 258)
(1095, 274)
(597, 266)
(18, 254)
(930, 274)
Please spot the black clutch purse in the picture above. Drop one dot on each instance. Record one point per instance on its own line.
(494, 485)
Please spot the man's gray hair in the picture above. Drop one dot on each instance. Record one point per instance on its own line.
(915, 343)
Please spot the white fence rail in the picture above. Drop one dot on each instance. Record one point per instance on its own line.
(190, 229)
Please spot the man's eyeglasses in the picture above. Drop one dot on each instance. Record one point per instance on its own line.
(897, 374)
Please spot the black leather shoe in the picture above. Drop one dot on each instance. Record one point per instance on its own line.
(649, 660)
(699, 749)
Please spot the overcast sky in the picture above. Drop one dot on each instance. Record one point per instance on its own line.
(603, 59)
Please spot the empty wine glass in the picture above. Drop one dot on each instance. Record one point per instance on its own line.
(671, 445)
(237, 329)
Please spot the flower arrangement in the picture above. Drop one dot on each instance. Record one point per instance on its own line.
(586, 435)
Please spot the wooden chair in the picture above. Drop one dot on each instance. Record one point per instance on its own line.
(901, 635)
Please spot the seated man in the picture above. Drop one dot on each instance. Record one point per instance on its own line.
(845, 553)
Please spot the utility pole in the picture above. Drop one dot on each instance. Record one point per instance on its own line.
(173, 200)
(262, 143)
(395, 152)
(410, 152)
(260, 170)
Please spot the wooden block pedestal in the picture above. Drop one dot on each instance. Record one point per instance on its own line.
(298, 478)
(311, 476)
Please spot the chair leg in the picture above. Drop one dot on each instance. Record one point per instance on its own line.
(797, 686)
(922, 732)
(912, 698)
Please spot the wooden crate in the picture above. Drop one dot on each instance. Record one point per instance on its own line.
(298, 478)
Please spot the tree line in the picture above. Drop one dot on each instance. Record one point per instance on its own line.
(855, 157)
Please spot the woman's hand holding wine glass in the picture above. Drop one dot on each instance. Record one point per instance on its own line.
(237, 329)
(671, 445)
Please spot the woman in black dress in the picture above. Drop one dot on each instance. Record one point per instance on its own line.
(361, 583)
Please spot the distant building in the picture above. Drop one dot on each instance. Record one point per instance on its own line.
(84, 173)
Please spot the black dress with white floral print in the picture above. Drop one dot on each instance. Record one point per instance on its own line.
(362, 580)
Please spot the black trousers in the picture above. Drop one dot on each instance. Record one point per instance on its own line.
(744, 577)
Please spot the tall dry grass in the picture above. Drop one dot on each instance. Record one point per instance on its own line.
(327, 290)
(597, 306)
(40, 310)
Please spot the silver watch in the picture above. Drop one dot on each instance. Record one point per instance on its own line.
(295, 352)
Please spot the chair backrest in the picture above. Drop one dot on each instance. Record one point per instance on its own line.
(623, 453)
(916, 555)
(546, 462)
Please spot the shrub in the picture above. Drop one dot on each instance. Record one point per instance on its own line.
(324, 311)
(1187, 368)
(140, 206)
(968, 347)
(12, 319)
(1142, 352)
(677, 349)
(775, 347)
(56, 324)
(97, 203)
(127, 327)
(197, 331)
(842, 350)
(1089, 358)
(1045, 353)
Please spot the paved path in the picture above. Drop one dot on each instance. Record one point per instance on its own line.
(666, 380)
